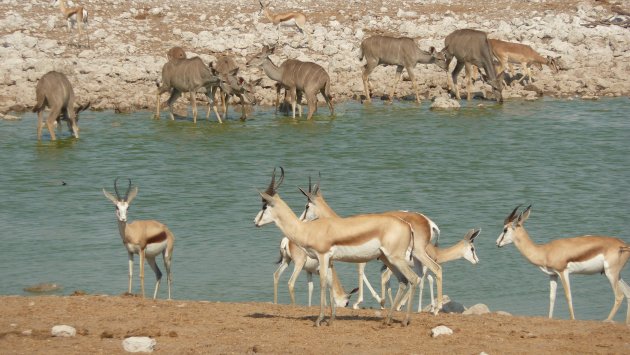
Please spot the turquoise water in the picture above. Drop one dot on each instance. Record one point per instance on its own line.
(464, 169)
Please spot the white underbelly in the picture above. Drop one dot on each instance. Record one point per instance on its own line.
(357, 253)
(591, 266)
(311, 265)
(151, 251)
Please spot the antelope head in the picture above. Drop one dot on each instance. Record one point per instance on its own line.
(122, 203)
(470, 253)
(268, 199)
(258, 59)
(439, 58)
(310, 210)
(512, 222)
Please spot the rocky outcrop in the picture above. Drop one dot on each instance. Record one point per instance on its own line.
(130, 39)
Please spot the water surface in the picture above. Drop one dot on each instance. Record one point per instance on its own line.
(464, 169)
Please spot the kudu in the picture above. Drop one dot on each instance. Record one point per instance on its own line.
(55, 91)
(187, 75)
(508, 53)
(297, 76)
(233, 85)
(147, 238)
(402, 52)
(471, 46)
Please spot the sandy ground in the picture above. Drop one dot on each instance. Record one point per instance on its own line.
(192, 327)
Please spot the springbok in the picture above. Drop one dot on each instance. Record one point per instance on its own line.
(147, 238)
(297, 76)
(402, 52)
(227, 70)
(289, 251)
(186, 75)
(508, 53)
(578, 255)
(289, 19)
(55, 91)
(355, 239)
(74, 15)
(471, 46)
(464, 249)
(425, 230)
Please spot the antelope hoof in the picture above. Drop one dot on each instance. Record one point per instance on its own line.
(405, 322)
(319, 320)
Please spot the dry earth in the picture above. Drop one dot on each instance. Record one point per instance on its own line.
(195, 327)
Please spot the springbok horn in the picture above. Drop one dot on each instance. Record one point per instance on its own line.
(281, 179)
(310, 187)
(270, 189)
(509, 218)
(128, 189)
(116, 188)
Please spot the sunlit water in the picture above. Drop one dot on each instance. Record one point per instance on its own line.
(464, 169)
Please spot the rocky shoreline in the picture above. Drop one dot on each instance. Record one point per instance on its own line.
(129, 41)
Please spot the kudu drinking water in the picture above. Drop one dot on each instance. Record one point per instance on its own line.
(297, 76)
(55, 91)
(227, 70)
(471, 46)
(187, 75)
(402, 52)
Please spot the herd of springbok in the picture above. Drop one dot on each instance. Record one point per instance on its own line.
(405, 242)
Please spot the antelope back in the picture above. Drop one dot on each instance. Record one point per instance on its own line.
(305, 76)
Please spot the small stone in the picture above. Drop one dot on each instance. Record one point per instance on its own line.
(477, 309)
(63, 331)
(139, 344)
(441, 330)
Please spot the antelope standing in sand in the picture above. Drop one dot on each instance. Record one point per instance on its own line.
(424, 231)
(578, 255)
(55, 91)
(508, 53)
(74, 15)
(355, 239)
(295, 19)
(227, 70)
(471, 46)
(297, 76)
(147, 238)
(402, 52)
(464, 249)
(289, 251)
(187, 75)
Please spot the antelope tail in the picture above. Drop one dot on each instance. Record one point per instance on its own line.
(40, 104)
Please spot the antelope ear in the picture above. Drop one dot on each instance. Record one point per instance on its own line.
(268, 198)
(132, 194)
(110, 197)
(472, 234)
(432, 50)
(524, 215)
(82, 107)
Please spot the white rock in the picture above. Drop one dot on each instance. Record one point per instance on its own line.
(445, 103)
(441, 330)
(139, 344)
(63, 331)
(477, 309)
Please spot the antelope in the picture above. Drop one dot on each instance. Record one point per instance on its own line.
(173, 54)
(147, 238)
(290, 19)
(508, 53)
(78, 15)
(355, 239)
(464, 249)
(55, 91)
(471, 46)
(402, 52)
(297, 76)
(227, 70)
(186, 75)
(586, 254)
(289, 251)
(425, 230)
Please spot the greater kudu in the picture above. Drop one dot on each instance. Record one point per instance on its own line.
(227, 70)
(402, 52)
(187, 75)
(471, 46)
(55, 91)
(297, 76)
